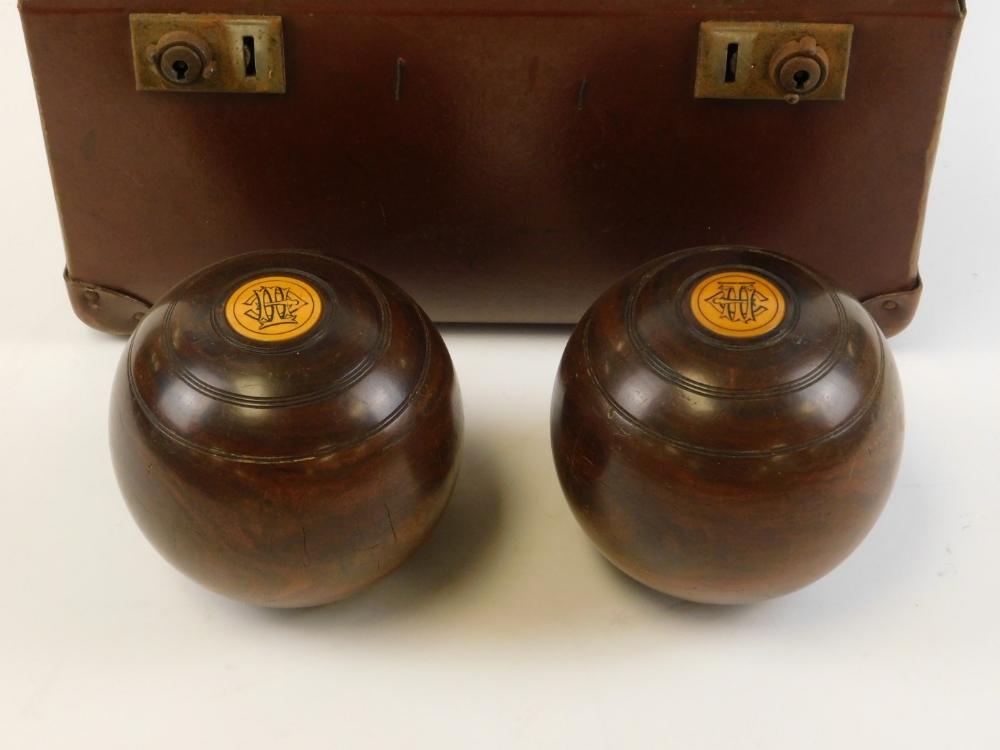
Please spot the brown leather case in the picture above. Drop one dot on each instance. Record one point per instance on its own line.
(533, 152)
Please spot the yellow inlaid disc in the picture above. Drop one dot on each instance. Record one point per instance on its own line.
(738, 304)
(273, 308)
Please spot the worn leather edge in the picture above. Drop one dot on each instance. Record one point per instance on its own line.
(117, 312)
(894, 311)
(563, 7)
(105, 309)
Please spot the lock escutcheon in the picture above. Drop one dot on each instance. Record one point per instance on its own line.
(182, 58)
(800, 68)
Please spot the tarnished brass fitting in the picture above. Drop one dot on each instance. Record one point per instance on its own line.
(800, 68)
(182, 58)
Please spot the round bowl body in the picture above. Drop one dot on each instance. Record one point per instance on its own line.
(726, 425)
(286, 428)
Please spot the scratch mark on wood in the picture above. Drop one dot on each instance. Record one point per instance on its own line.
(389, 516)
(400, 68)
(305, 550)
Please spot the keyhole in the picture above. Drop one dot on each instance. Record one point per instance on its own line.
(801, 78)
(732, 60)
(180, 69)
(249, 57)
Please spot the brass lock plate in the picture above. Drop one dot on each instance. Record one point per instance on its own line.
(738, 60)
(208, 52)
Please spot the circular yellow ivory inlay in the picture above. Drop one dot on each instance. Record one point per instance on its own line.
(738, 304)
(273, 308)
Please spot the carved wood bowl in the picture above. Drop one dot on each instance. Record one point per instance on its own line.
(286, 428)
(726, 425)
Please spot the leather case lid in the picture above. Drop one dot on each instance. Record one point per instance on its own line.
(538, 150)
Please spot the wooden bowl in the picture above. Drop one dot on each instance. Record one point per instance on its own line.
(726, 425)
(286, 428)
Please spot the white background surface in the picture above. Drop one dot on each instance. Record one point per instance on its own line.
(508, 629)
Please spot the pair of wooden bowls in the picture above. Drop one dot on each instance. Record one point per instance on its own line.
(286, 428)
